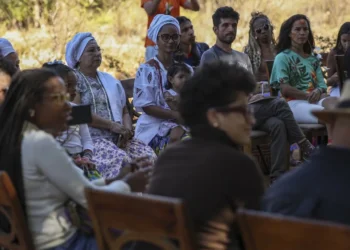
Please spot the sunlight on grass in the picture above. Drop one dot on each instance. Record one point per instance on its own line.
(121, 30)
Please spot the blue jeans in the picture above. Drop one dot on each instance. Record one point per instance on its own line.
(79, 241)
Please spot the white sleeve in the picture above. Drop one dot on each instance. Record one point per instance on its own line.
(61, 171)
(121, 92)
(144, 88)
(86, 140)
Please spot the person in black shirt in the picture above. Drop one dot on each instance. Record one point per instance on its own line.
(318, 190)
(208, 171)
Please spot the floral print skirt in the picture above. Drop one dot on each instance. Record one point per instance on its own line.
(159, 143)
(109, 159)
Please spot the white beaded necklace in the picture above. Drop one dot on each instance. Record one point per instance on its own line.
(93, 96)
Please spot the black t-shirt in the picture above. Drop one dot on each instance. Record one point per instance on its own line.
(211, 177)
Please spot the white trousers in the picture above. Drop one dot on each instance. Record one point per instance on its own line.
(302, 110)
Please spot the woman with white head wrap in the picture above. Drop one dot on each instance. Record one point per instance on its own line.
(111, 127)
(8, 52)
(150, 81)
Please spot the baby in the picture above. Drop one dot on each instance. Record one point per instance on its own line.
(178, 73)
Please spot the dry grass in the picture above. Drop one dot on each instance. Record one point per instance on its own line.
(121, 30)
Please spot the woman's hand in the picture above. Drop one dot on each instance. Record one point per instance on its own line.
(125, 136)
(84, 162)
(88, 163)
(135, 165)
(139, 179)
(314, 96)
(117, 128)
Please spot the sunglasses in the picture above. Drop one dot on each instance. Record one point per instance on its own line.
(166, 37)
(247, 111)
(266, 27)
(60, 98)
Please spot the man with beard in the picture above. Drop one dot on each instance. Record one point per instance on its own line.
(225, 21)
(273, 115)
(190, 51)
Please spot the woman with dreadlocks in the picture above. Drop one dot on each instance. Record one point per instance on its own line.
(261, 44)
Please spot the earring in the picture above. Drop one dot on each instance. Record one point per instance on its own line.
(256, 38)
(215, 124)
(31, 112)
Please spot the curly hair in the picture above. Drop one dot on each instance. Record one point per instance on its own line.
(253, 49)
(344, 29)
(7, 67)
(173, 70)
(214, 84)
(224, 12)
(284, 42)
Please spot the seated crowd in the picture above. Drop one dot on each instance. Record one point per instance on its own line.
(198, 107)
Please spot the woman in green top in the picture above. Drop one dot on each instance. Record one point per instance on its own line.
(296, 71)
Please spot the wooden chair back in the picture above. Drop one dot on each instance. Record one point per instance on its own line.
(341, 70)
(146, 218)
(19, 238)
(269, 66)
(128, 85)
(264, 231)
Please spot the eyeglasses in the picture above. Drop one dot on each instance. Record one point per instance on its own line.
(94, 50)
(166, 37)
(60, 98)
(247, 111)
(266, 27)
(4, 90)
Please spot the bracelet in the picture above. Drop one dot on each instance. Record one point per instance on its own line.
(88, 154)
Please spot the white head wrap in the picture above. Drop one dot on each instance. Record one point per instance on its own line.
(158, 22)
(5, 47)
(76, 46)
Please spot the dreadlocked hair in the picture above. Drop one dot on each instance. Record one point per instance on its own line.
(253, 48)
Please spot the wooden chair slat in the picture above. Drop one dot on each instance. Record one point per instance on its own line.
(148, 218)
(128, 85)
(19, 238)
(264, 231)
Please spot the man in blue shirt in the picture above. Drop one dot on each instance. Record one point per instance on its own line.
(190, 51)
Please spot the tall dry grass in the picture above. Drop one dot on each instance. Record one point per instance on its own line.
(121, 29)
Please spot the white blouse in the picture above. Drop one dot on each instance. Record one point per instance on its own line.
(50, 179)
(148, 92)
(76, 139)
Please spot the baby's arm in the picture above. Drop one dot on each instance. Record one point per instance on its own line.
(171, 101)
